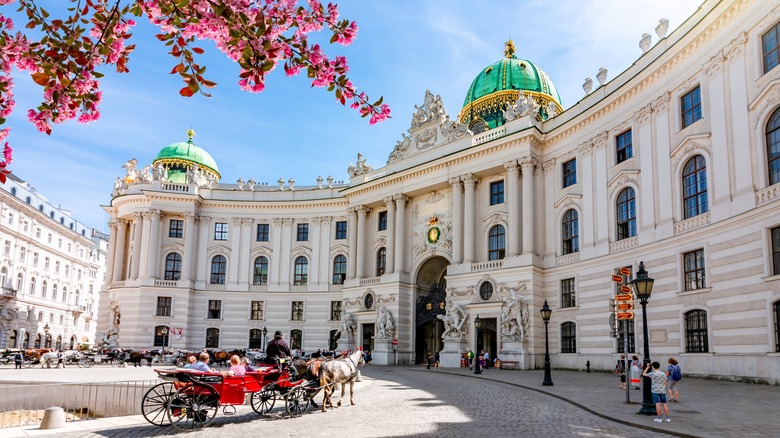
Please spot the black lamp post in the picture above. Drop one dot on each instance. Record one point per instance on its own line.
(265, 332)
(46, 328)
(477, 326)
(643, 286)
(546, 313)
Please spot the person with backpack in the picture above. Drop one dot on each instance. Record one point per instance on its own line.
(470, 356)
(674, 375)
(620, 370)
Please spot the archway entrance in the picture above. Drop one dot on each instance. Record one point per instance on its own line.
(431, 292)
(487, 339)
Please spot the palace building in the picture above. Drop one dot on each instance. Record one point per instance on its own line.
(477, 219)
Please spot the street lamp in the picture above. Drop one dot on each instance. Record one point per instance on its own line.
(643, 286)
(46, 328)
(477, 326)
(265, 332)
(546, 313)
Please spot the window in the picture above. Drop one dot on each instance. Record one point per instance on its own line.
(13, 191)
(341, 230)
(38, 233)
(773, 147)
(297, 311)
(567, 293)
(382, 226)
(32, 286)
(497, 192)
(67, 270)
(486, 290)
(212, 337)
(161, 336)
(626, 214)
(776, 251)
(218, 269)
(691, 107)
(303, 233)
(694, 187)
(59, 243)
(176, 229)
(54, 292)
(570, 232)
(262, 232)
(46, 263)
(256, 312)
(339, 269)
(770, 44)
(22, 253)
(57, 267)
(43, 289)
(496, 243)
(693, 266)
(381, 261)
(621, 337)
(335, 310)
(7, 247)
(260, 277)
(256, 339)
(296, 339)
(221, 231)
(623, 147)
(570, 173)
(568, 337)
(164, 306)
(215, 309)
(19, 282)
(50, 237)
(301, 275)
(696, 332)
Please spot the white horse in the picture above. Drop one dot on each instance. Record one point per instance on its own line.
(69, 355)
(343, 371)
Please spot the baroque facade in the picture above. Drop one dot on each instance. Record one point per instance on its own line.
(485, 216)
(51, 271)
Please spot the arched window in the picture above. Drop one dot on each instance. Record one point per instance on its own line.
(32, 286)
(570, 232)
(73, 342)
(173, 266)
(54, 292)
(3, 276)
(19, 281)
(568, 337)
(38, 339)
(212, 337)
(296, 339)
(26, 341)
(47, 342)
(218, 269)
(773, 147)
(301, 271)
(58, 345)
(696, 332)
(43, 289)
(64, 294)
(626, 214)
(28, 200)
(256, 338)
(333, 340)
(12, 339)
(496, 243)
(161, 334)
(486, 290)
(260, 277)
(694, 180)
(381, 261)
(339, 269)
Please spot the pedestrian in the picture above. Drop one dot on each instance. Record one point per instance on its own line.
(18, 359)
(487, 360)
(368, 357)
(430, 359)
(436, 361)
(674, 375)
(470, 356)
(620, 370)
(658, 387)
(636, 372)
(60, 358)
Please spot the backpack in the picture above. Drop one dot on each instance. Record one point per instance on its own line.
(620, 368)
(675, 372)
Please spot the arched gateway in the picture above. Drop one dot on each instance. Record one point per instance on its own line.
(430, 287)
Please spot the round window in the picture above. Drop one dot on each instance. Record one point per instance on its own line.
(368, 301)
(486, 290)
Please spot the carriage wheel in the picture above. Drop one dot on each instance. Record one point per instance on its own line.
(263, 401)
(28, 363)
(193, 407)
(117, 362)
(86, 363)
(155, 403)
(297, 401)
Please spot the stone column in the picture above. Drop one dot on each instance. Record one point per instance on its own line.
(400, 228)
(390, 235)
(153, 268)
(275, 265)
(314, 238)
(528, 164)
(202, 251)
(323, 249)
(138, 226)
(457, 220)
(352, 236)
(512, 204)
(360, 266)
(469, 182)
(235, 251)
(243, 256)
(285, 262)
(119, 250)
(189, 246)
(111, 256)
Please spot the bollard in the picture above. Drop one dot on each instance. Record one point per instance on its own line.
(587, 365)
(53, 418)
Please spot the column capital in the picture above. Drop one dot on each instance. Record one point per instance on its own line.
(247, 222)
(113, 223)
(528, 163)
(137, 216)
(388, 201)
(236, 221)
(455, 182)
(362, 210)
(548, 165)
(326, 220)
(470, 179)
(400, 199)
(190, 215)
(511, 166)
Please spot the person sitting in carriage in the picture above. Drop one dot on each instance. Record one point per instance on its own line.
(276, 348)
(203, 364)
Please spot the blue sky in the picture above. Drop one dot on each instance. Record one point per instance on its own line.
(293, 131)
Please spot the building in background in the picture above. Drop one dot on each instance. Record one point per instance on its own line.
(51, 270)
(675, 163)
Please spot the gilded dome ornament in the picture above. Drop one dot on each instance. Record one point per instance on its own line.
(509, 51)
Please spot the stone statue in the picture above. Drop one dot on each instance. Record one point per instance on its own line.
(418, 117)
(111, 339)
(517, 313)
(552, 110)
(347, 327)
(359, 168)
(119, 185)
(663, 26)
(251, 183)
(131, 173)
(385, 324)
(645, 42)
(159, 173)
(434, 108)
(510, 113)
(145, 176)
(193, 175)
(602, 76)
(587, 85)
(509, 327)
(453, 319)
(240, 183)
(521, 105)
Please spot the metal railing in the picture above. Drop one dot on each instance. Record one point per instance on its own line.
(24, 405)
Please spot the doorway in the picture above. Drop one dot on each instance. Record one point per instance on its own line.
(431, 293)
(487, 339)
(368, 337)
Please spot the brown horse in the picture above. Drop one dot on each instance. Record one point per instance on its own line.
(343, 371)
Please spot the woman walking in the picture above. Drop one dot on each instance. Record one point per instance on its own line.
(674, 375)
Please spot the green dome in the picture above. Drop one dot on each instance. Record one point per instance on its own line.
(500, 83)
(179, 157)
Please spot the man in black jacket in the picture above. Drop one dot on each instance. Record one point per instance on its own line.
(277, 347)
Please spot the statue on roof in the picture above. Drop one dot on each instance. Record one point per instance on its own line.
(131, 172)
(160, 173)
(509, 50)
(359, 168)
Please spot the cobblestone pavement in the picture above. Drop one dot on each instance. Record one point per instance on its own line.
(409, 402)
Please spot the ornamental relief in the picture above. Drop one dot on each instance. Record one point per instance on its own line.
(714, 64)
(569, 201)
(497, 218)
(688, 148)
(661, 104)
(769, 99)
(338, 249)
(625, 177)
(299, 251)
(460, 291)
(735, 47)
(379, 242)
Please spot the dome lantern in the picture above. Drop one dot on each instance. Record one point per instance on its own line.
(178, 159)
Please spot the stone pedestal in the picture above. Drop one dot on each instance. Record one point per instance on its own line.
(345, 344)
(451, 354)
(514, 351)
(383, 352)
(53, 418)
